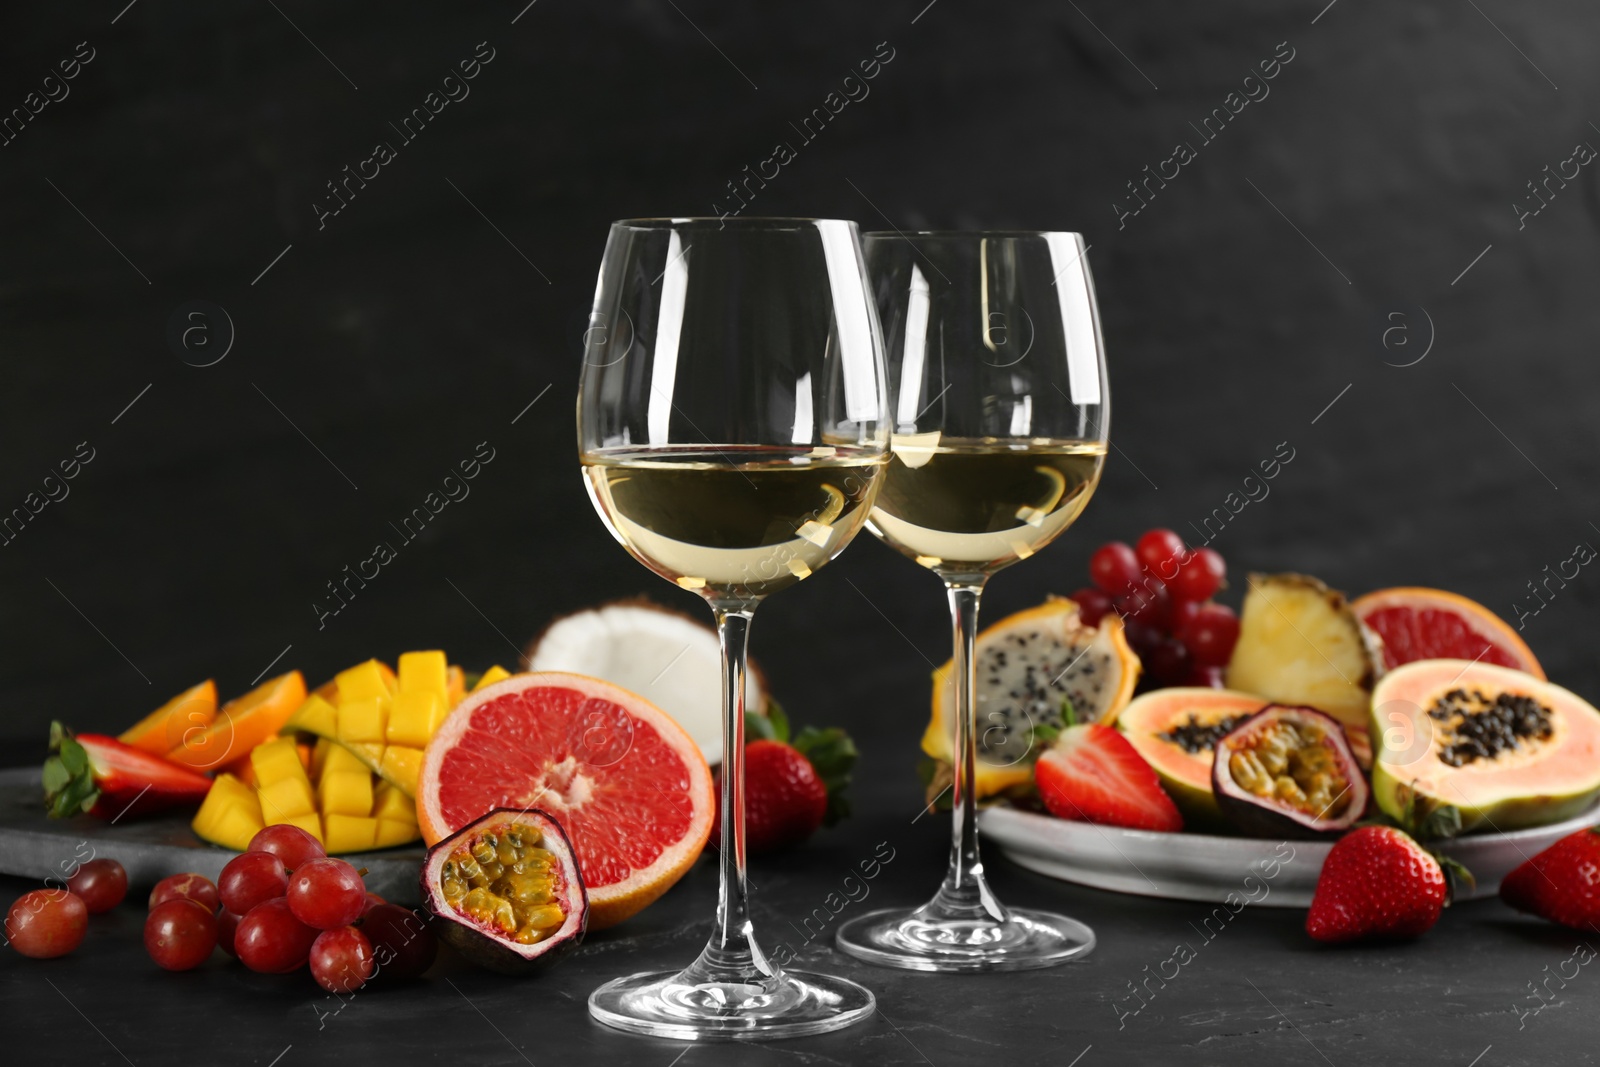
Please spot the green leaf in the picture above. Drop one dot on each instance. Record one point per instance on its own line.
(1458, 881)
(779, 719)
(469, 680)
(1069, 715)
(833, 754)
(69, 783)
(1427, 818)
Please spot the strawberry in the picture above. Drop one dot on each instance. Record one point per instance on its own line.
(1093, 774)
(1376, 882)
(1561, 884)
(104, 777)
(790, 790)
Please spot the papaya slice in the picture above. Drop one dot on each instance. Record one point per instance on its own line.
(1176, 731)
(181, 718)
(243, 723)
(1463, 746)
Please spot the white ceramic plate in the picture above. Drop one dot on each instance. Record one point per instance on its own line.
(1279, 874)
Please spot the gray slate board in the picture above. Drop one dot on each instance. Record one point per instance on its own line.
(33, 845)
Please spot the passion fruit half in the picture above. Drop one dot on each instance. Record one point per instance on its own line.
(1288, 772)
(505, 891)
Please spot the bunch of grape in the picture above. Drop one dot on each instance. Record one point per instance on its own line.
(1162, 589)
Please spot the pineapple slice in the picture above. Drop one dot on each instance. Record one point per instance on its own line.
(1299, 643)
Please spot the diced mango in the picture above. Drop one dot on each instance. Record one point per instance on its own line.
(368, 755)
(402, 766)
(234, 828)
(392, 833)
(364, 681)
(341, 760)
(414, 716)
(349, 833)
(494, 674)
(228, 788)
(424, 672)
(388, 802)
(276, 761)
(455, 685)
(316, 716)
(282, 801)
(345, 793)
(363, 720)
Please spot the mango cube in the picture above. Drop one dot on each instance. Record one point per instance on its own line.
(424, 672)
(494, 674)
(283, 800)
(340, 760)
(390, 803)
(276, 761)
(402, 766)
(414, 716)
(345, 793)
(363, 720)
(319, 757)
(349, 833)
(364, 681)
(316, 716)
(391, 833)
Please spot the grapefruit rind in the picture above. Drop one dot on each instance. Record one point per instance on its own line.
(610, 903)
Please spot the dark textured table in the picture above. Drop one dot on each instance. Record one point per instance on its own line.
(1354, 267)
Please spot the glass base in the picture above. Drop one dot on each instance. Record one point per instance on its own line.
(676, 1005)
(915, 940)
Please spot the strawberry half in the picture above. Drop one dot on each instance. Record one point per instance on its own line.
(104, 777)
(1561, 884)
(1093, 774)
(1376, 883)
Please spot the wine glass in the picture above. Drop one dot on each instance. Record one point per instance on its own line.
(733, 430)
(1001, 412)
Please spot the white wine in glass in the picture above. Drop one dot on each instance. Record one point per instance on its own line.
(1001, 415)
(733, 432)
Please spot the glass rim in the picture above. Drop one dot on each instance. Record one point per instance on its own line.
(903, 234)
(754, 221)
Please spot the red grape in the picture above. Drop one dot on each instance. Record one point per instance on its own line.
(180, 934)
(100, 884)
(47, 923)
(249, 879)
(271, 940)
(402, 944)
(185, 886)
(1092, 605)
(1170, 663)
(327, 894)
(289, 843)
(373, 900)
(1114, 567)
(227, 925)
(341, 960)
(1200, 576)
(1142, 638)
(1211, 635)
(1206, 677)
(1182, 612)
(1161, 551)
(1149, 603)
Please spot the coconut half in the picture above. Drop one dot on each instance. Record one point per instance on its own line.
(668, 658)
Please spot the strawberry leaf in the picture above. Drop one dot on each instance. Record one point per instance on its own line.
(1427, 818)
(1457, 879)
(833, 755)
(69, 784)
(772, 726)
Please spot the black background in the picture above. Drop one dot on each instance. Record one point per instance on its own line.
(1250, 294)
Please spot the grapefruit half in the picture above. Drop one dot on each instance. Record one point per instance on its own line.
(1417, 623)
(626, 782)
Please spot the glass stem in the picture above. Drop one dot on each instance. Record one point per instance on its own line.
(965, 893)
(732, 954)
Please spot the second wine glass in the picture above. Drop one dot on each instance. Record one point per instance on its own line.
(1000, 418)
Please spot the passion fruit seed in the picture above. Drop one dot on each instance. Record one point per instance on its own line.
(505, 881)
(1194, 735)
(1291, 764)
(1477, 727)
